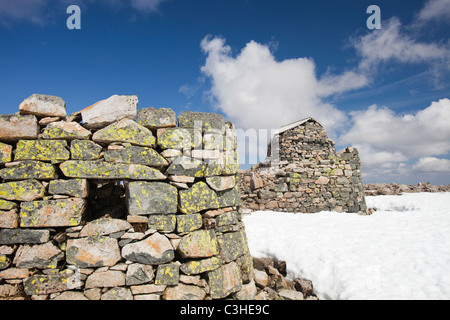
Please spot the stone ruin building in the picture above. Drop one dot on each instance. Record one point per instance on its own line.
(304, 173)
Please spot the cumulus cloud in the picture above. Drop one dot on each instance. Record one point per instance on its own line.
(435, 10)
(432, 164)
(391, 43)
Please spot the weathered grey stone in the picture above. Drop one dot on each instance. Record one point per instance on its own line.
(29, 169)
(248, 292)
(105, 112)
(229, 198)
(139, 274)
(62, 130)
(5, 153)
(38, 256)
(105, 279)
(204, 120)
(231, 245)
(189, 222)
(23, 236)
(71, 295)
(104, 226)
(91, 252)
(184, 292)
(155, 249)
(7, 205)
(77, 188)
(52, 213)
(178, 138)
(221, 183)
(15, 127)
(200, 266)
(151, 198)
(224, 281)
(185, 166)
(85, 150)
(162, 223)
(109, 170)
(198, 244)
(9, 219)
(135, 154)
(5, 262)
(227, 218)
(28, 190)
(291, 294)
(168, 274)
(152, 118)
(199, 197)
(42, 150)
(117, 293)
(43, 106)
(126, 131)
(46, 284)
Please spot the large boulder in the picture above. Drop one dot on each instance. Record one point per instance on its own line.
(44, 106)
(15, 127)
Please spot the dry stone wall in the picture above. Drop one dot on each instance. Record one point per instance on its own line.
(115, 203)
(304, 173)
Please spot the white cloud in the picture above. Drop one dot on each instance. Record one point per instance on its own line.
(432, 164)
(23, 10)
(391, 44)
(435, 10)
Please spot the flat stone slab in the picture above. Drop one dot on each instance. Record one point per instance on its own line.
(27, 190)
(221, 183)
(105, 112)
(105, 279)
(197, 198)
(155, 249)
(23, 236)
(52, 213)
(77, 188)
(198, 244)
(184, 292)
(63, 130)
(15, 127)
(136, 155)
(46, 284)
(43, 256)
(42, 150)
(127, 131)
(224, 281)
(199, 266)
(109, 170)
(152, 118)
(185, 166)
(92, 252)
(179, 138)
(151, 198)
(85, 150)
(104, 226)
(44, 106)
(205, 120)
(29, 169)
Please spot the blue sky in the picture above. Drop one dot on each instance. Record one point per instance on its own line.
(260, 63)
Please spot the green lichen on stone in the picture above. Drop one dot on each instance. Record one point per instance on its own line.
(227, 219)
(109, 170)
(229, 198)
(74, 187)
(5, 153)
(230, 164)
(197, 198)
(204, 120)
(28, 190)
(167, 274)
(125, 130)
(224, 281)
(199, 266)
(188, 223)
(4, 262)
(231, 245)
(42, 150)
(162, 223)
(137, 155)
(185, 166)
(145, 197)
(7, 205)
(63, 130)
(85, 150)
(178, 138)
(198, 244)
(213, 168)
(29, 170)
(152, 118)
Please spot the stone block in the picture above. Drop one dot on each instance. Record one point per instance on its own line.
(93, 252)
(167, 274)
(189, 222)
(197, 198)
(204, 120)
(137, 155)
(198, 244)
(42, 150)
(151, 198)
(15, 127)
(77, 188)
(126, 131)
(152, 118)
(85, 150)
(29, 169)
(155, 249)
(5, 153)
(43, 106)
(224, 281)
(23, 236)
(163, 223)
(27, 190)
(62, 130)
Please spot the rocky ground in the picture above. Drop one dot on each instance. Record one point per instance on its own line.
(397, 189)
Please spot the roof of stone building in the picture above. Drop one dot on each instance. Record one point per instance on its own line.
(292, 125)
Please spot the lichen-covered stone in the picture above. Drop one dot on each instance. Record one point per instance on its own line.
(221, 183)
(152, 118)
(205, 120)
(139, 274)
(5, 262)
(125, 130)
(224, 281)
(43, 150)
(199, 266)
(43, 256)
(185, 166)
(162, 223)
(137, 155)
(189, 222)
(151, 198)
(27, 190)
(90, 252)
(184, 292)
(43, 106)
(77, 188)
(167, 274)
(229, 198)
(231, 245)
(104, 226)
(198, 244)
(109, 170)
(23, 236)
(5, 153)
(29, 169)
(117, 293)
(14, 127)
(105, 112)
(227, 218)
(230, 162)
(85, 150)
(155, 249)
(63, 130)
(7, 205)
(178, 138)
(52, 213)
(197, 198)
(46, 284)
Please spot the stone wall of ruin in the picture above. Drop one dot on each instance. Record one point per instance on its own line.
(304, 173)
